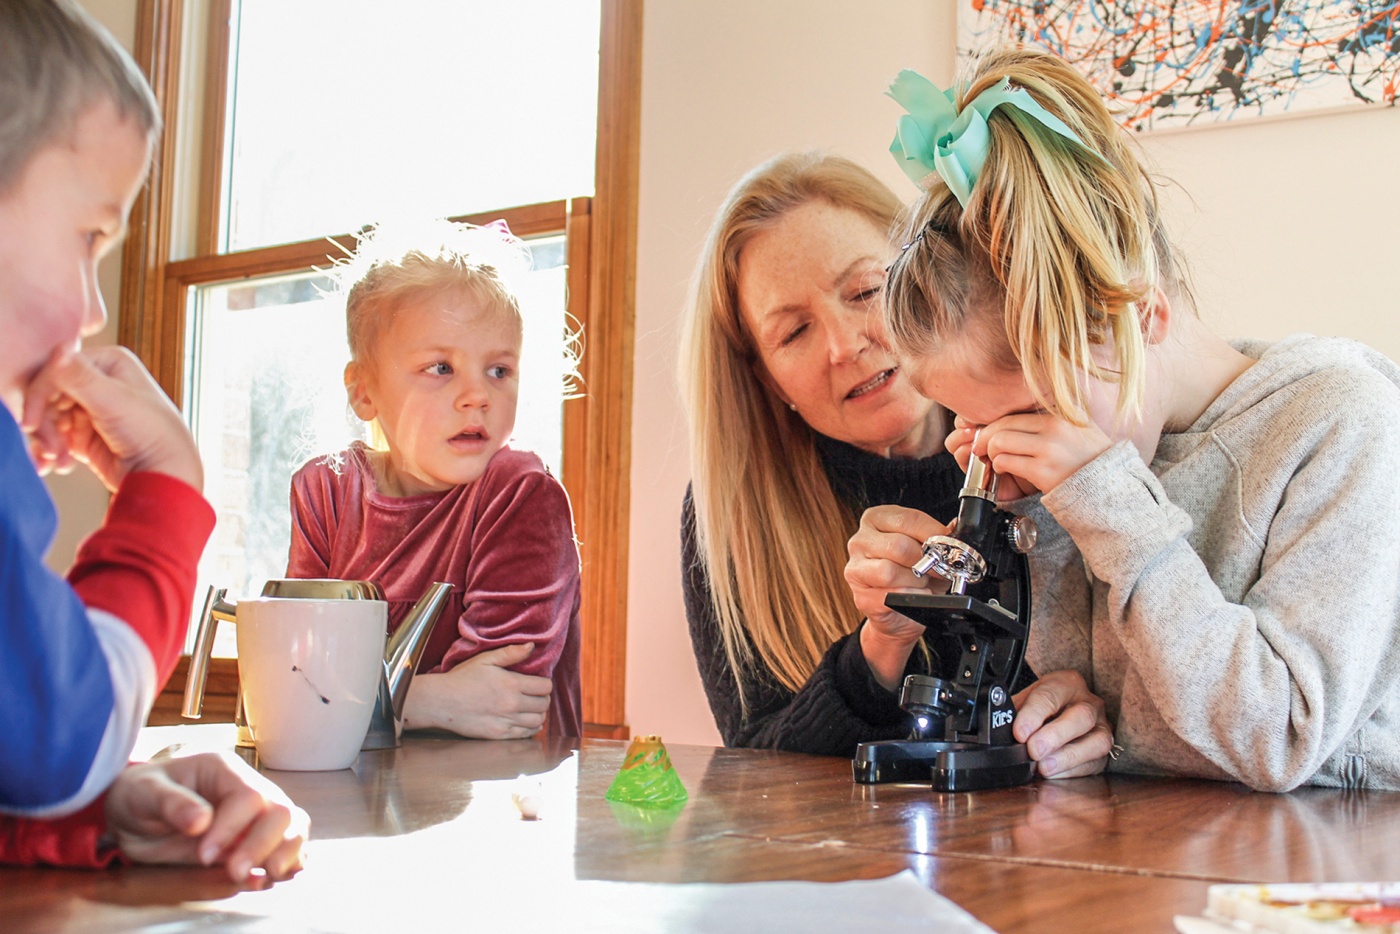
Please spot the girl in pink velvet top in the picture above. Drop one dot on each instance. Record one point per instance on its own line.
(435, 338)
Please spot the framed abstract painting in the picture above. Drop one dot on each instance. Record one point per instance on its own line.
(1175, 63)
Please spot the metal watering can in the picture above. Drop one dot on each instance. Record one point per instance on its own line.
(401, 656)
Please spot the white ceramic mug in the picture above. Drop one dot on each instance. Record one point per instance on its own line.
(310, 671)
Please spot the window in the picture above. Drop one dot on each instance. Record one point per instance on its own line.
(237, 330)
(348, 111)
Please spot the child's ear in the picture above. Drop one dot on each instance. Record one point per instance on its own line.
(1156, 320)
(357, 392)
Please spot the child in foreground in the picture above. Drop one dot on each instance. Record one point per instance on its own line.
(1218, 553)
(82, 659)
(435, 340)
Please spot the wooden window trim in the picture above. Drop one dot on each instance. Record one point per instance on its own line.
(217, 71)
(602, 286)
(551, 217)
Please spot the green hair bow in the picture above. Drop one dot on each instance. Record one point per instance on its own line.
(934, 137)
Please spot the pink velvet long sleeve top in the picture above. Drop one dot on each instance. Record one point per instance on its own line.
(505, 543)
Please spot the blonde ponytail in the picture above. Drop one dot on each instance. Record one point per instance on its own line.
(1063, 242)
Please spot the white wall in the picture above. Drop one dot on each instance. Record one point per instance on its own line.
(1295, 224)
(1293, 228)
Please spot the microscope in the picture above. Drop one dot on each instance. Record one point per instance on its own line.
(961, 718)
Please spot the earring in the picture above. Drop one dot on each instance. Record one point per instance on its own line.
(793, 406)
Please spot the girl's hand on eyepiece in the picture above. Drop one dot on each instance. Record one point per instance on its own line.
(961, 443)
(1038, 450)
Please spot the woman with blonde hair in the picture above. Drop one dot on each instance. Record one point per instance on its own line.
(801, 418)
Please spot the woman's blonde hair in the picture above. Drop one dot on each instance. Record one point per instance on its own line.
(770, 529)
(1069, 249)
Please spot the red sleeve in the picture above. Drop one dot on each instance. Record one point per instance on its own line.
(141, 565)
(309, 556)
(522, 583)
(74, 840)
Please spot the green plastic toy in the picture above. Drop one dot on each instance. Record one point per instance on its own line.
(647, 778)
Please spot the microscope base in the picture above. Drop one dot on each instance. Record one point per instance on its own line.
(950, 766)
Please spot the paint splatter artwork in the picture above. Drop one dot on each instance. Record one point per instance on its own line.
(1171, 63)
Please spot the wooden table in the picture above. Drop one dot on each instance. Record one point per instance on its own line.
(409, 832)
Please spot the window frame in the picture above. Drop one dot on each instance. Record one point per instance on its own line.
(601, 243)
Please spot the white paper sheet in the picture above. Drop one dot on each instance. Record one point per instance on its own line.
(895, 904)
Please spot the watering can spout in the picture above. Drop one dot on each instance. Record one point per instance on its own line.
(401, 658)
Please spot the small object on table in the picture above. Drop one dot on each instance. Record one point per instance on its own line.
(1194, 924)
(1304, 908)
(647, 778)
(528, 798)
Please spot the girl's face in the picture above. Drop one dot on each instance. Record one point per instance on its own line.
(965, 378)
(443, 382)
(810, 288)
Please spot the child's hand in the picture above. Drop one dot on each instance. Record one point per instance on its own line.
(1033, 451)
(206, 809)
(481, 698)
(959, 444)
(101, 408)
(1064, 725)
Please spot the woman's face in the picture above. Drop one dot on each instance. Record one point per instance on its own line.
(810, 288)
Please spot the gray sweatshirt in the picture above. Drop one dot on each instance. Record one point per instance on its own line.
(1237, 605)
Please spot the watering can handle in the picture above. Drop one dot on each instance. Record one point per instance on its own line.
(215, 609)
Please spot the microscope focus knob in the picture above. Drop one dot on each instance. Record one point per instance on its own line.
(1021, 533)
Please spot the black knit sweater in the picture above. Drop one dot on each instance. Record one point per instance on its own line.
(842, 704)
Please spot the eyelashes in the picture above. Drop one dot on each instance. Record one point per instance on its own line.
(793, 335)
